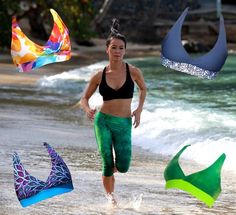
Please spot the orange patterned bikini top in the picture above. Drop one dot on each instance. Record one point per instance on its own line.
(28, 55)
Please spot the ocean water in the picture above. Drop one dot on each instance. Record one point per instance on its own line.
(180, 109)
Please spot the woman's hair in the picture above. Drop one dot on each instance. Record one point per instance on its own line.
(115, 33)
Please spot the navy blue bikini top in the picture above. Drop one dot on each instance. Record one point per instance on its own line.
(124, 92)
(175, 56)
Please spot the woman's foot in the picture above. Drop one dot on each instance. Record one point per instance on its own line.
(111, 199)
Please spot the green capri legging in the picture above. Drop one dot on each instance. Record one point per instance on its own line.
(112, 131)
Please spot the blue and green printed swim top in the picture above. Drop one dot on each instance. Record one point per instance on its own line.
(30, 190)
(205, 185)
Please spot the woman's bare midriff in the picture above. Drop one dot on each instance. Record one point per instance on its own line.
(117, 107)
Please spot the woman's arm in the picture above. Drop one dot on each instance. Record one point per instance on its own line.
(90, 89)
(138, 78)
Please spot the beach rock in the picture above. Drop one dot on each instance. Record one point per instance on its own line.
(137, 18)
(195, 47)
(87, 43)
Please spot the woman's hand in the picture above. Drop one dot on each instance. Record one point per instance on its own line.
(91, 88)
(136, 114)
(90, 113)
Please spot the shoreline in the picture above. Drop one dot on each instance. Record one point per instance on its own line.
(80, 56)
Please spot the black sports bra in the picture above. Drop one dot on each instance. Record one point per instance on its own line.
(124, 92)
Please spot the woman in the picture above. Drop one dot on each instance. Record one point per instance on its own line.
(113, 123)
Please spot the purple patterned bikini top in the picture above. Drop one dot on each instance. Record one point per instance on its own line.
(31, 190)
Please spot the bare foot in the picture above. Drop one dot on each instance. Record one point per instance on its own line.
(111, 199)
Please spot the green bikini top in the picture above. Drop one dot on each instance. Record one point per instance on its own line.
(205, 185)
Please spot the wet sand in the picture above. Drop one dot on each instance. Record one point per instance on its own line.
(23, 128)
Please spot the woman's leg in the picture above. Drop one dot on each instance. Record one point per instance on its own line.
(104, 141)
(122, 144)
(108, 183)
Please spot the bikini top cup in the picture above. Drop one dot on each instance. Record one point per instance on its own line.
(30, 190)
(175, 56)
(205, 185)
(27, 55)
(126, 91)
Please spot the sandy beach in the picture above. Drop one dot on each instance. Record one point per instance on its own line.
(24, 128)
(24, 131)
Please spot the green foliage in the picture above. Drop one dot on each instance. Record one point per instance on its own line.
(76, 14)
(7, 9)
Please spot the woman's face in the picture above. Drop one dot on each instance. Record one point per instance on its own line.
(116, 50)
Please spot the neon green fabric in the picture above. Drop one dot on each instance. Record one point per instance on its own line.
(113, 132)
(204, 185)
